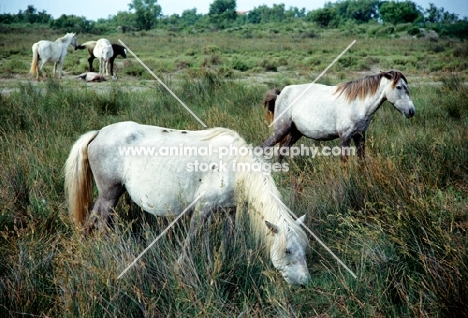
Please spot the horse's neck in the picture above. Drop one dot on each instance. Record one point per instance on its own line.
(65, 41)
(264, 201)
(372, 103)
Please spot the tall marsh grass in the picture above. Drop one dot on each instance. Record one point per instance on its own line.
(398, 218)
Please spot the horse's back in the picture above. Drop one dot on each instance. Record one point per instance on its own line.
(89, 44)
(152, 164)
(312, 107)
(103, 46)
(48, 50)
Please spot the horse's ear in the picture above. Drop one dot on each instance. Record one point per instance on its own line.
(272, 227)
(301, 220)
(388, 75)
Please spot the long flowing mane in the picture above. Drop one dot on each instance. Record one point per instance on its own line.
(260, 192)
(258, 189)
(367, 86)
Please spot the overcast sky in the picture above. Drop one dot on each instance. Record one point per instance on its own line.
(95, 9)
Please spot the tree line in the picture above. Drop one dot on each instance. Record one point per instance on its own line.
(148, 14)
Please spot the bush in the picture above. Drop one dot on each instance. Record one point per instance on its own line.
(210, 49)
(239, 65)
(269, 65)
(414, 31)
(461, 50)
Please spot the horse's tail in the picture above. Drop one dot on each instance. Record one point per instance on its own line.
(35, 59)
(79, 178)
(269, 101)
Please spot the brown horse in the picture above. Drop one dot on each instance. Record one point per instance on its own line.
(117, 48)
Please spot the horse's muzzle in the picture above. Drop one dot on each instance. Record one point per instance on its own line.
(411, 112)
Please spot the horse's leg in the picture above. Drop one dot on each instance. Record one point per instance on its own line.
(41, 68)
(111, 61)
(281, 131)
(290, 139)
(206, 240)
(90, 61)
(344, 144)
(100, 216)
(101, 65)
(359, 139)
(55, 69)
(62, 60)
(199, 217)
(229, 226)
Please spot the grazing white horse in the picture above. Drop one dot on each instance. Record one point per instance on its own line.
(165, 170)
(103, 51)
(329, 112)
(51, 52)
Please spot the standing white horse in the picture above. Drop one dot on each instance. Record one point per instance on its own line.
(329, 112)
(51, 52)
(117, 48)
(165, 170)
(103, 51)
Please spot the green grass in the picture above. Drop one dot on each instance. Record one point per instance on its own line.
(398, 219)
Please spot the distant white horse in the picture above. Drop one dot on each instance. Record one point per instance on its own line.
(329, 112)
(51, 52)
(104, 52)
(117, 48)
(135, 158)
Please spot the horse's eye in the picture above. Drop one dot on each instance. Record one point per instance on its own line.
(398, 87)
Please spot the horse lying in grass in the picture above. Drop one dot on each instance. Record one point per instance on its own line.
(118, 50)
(51, 52)
(164, 185)
(344, 111)
(91, 77)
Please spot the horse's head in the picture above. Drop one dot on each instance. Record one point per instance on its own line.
(73, 38)
(397, 93)
(288, 253)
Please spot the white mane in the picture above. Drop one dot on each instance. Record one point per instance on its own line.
(261, 194)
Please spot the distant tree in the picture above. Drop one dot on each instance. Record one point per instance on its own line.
(399, 12)
(457, 29)
(8, 18)
(124, 19)
(439, 15)
(361, 11)
(222, 12)
(259, 14)
(433, 14)
(30, 14)
(147, 13)
(190, 17)
(277, 13)
(324, 17)
(295, 12)
(72, 23)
